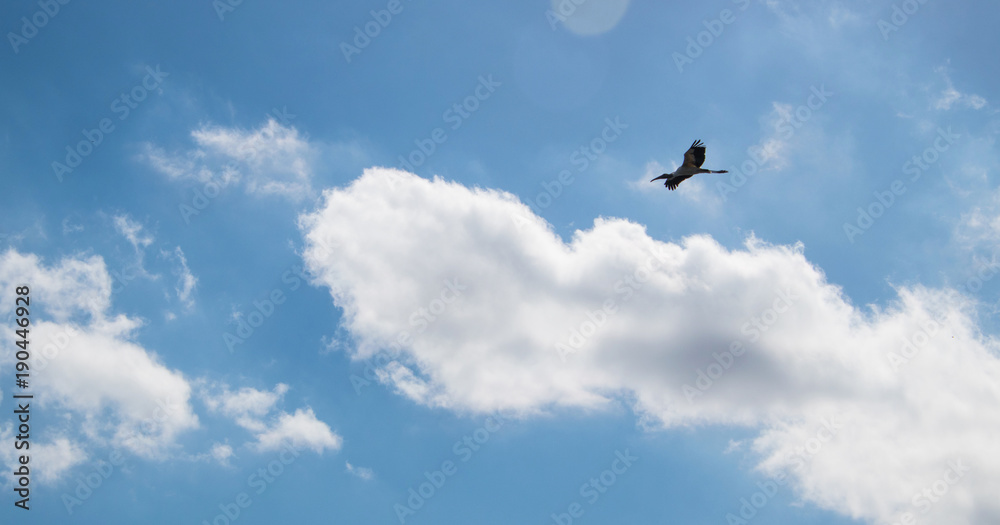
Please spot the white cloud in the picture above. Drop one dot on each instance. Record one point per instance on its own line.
(68, 227)
(775, 143)
(970, 176)
(76, 286)
(137, 237)
(186, 281)
(133, 231)
(950, 96)
(55, 458)
(272, 159)
(277, 157)
(247, 406)
(250, 409)
(364, 473)
(670, 311)
(221, 452)
(652, 170)
(49, 461)
(190, 165)
(982, 222)
(841, 16)
(733, 446)
(695, 190)
(301, 429)
(87, 364)
(101, 368)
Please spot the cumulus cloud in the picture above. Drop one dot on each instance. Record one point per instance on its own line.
(250, 408)
(861, 407)
(302, 429)
(78, 288)
(88, 364)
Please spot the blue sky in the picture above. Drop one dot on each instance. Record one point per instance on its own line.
(239, 271)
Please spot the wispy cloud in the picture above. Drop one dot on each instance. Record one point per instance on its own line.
(951, 97)
(364, 473)
(68, 227)
(133, 231)
(273, 159)
(186, 281)
(138, 237)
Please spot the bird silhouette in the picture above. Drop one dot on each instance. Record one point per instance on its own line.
(693, 159)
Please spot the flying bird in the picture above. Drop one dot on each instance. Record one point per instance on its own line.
(693, 160)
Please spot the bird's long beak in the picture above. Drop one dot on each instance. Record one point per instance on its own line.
(660, 177)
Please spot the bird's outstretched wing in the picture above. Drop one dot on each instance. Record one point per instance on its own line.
(695, 155)
(672, 183)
